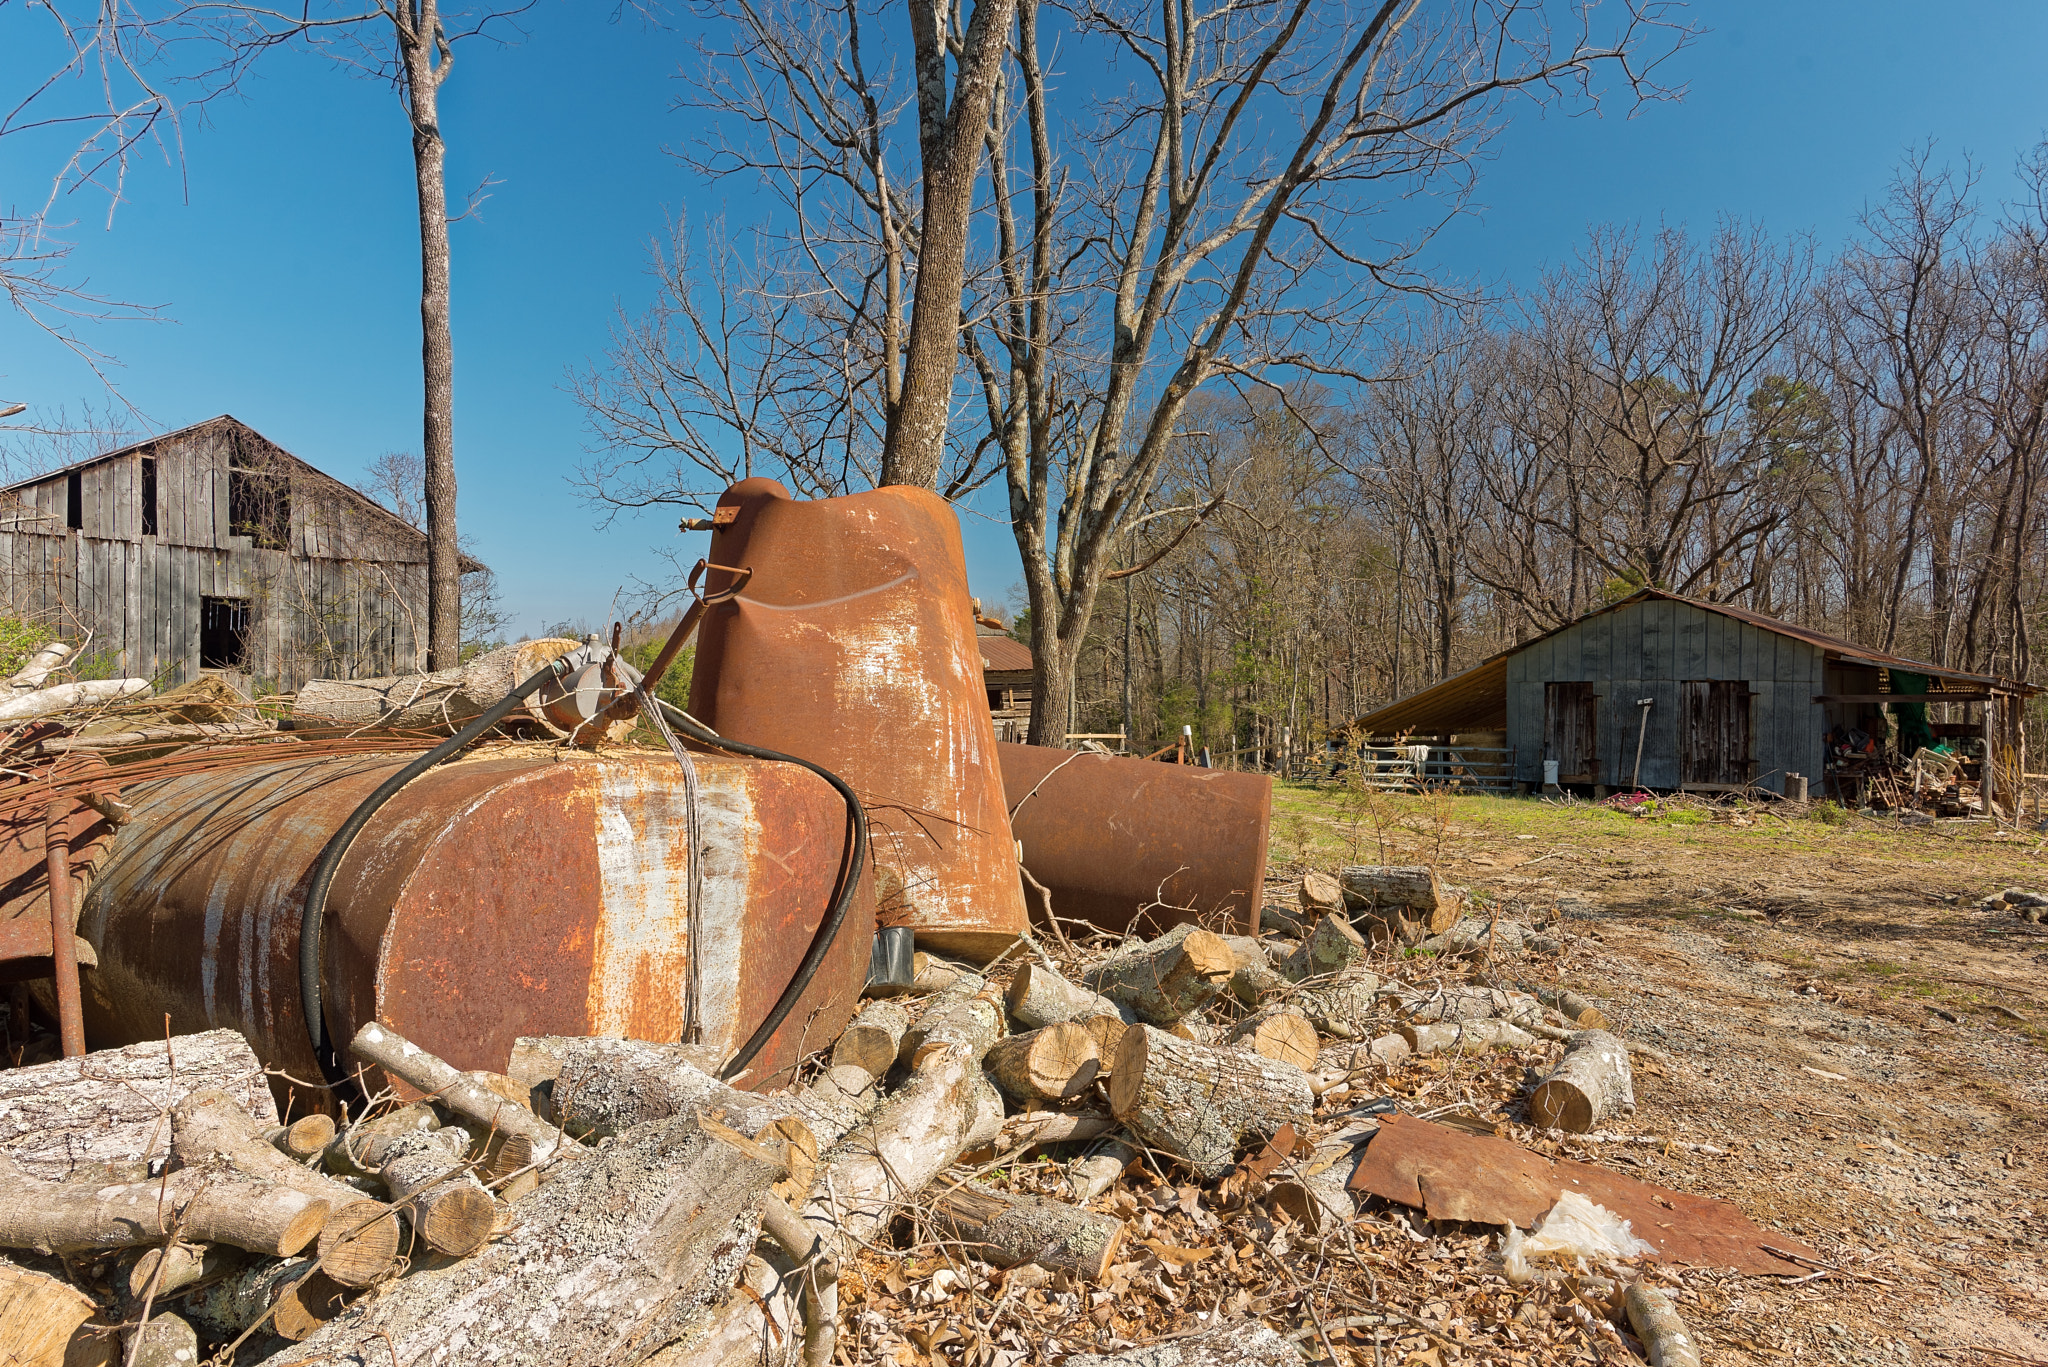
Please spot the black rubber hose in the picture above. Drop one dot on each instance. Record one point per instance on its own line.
(842, 902)
(312, 923)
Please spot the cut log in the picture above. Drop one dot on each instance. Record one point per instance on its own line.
(442, 703)
(1008, 1230)
(1279, 920)
(972, 1023)
(1471, 1004)
(1048, 1064)
(428, 1176)
(1278, 1032)
(43, 1322)
(212, 1204)
(1240, 1343)
(1331, 947)
(934, 974)
(1590, 1084)
(1319, 895)
(608, 1086)
(270, 1292)
(1039, 997)
(1315, 1189)
(408, 1063)
(1465, 1037)
(1100, 1170)
(1053, 1127)
(1202, 1104)
(1403, 903)
(1109, 1033)
(303, 1139)
(344, 1157)
(62, 698)
(1570, 1005)
(619, 1253)
(1656, 1322)
(183, 1265)
(109, 1106)
(1254, 977)
(872, 1039)
(166, 1341)
(40, 665)
(1175, 975)
(1348, 1007)
(358, 1240)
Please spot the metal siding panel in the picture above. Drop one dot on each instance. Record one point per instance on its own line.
(1596, 648)
(1689, 648)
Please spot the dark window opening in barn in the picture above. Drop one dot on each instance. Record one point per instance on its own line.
(1714, 732)
(259, 504)
(148, 496)
(1571, 731)
(74, 500)
(223, 633)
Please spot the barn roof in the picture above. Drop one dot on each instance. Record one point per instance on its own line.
(327, 481)
(1003, 654)
(1476, 700)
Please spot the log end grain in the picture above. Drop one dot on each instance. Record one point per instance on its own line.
(358, 1243)
(455, 1218)
(1049, 1064)
(1284, 1035)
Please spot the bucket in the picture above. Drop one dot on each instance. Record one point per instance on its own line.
(1550, 773)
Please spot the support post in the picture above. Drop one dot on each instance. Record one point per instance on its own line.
(63, 930)
(1986, 783)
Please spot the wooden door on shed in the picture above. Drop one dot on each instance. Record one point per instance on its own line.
(1714, 731)
(1571, 725)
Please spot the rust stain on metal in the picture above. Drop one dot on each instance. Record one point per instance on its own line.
(1109, 836)
(490, 899)
(1454, 1176)
(853, 646)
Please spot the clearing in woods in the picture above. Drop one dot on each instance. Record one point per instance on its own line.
(1827, 1003)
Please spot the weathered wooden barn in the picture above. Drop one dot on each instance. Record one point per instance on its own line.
(213, 549)
(1712, 696)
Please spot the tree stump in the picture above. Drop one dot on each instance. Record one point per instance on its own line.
(109, 1106)
(1048, 1064)
(1590, 1084)
(1175, 975)
(1202, 1104)
(871, 1040)
(1278, 1032)
(1008, 1230)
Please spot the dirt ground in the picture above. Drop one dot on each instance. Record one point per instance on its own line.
(1825, 1002)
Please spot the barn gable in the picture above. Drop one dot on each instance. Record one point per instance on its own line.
(213, 548)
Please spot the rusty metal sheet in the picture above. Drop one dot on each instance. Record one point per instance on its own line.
(1108, 837)
(1489, 1181)
(491, 898)
(853, 646)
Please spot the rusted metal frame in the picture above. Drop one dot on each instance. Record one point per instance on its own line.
(63, 929)
(630, 704)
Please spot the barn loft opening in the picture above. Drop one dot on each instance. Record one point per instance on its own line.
(74, 500)
(149, 496)
(259, 501)
(223, 633)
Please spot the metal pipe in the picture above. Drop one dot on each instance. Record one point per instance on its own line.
(63, 929)
(1635, 780)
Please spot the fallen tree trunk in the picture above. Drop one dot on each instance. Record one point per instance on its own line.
(303, 1139)
(1174, 976)
(109, 1106)
(183, 734)
(1202, 1104)
(212, 1204)
(1590, 1084)
(1048, 1064)
(442, 702)
(358, 1240)
(1008, 1230)
(64, 697)
(617, 1255)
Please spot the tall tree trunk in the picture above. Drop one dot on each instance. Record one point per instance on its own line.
(951, 143)
(423, 46)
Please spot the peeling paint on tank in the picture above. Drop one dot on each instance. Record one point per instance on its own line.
(639, 958)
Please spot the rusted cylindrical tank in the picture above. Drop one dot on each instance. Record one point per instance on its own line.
(491, 898)
(853, 646)
(1108, 837)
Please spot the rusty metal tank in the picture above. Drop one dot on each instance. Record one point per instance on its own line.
(1108, 837)
(523, 894)
(853, 646)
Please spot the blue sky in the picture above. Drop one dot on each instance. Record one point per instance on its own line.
(286, 253)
